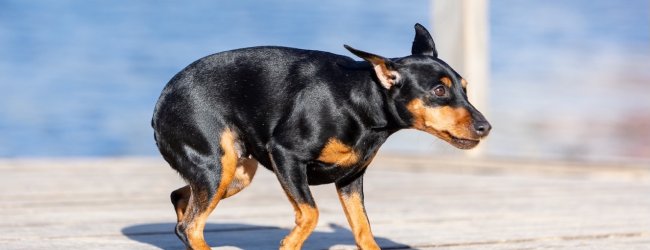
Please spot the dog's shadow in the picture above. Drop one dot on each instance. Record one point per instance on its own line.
(245, 236)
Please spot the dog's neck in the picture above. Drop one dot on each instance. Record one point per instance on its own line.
(388, 117)
(393, 111)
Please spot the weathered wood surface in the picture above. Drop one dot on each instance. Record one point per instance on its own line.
(420, 203)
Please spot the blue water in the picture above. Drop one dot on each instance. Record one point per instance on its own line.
(80, 78)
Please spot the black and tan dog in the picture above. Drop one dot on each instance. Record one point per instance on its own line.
(311, 117)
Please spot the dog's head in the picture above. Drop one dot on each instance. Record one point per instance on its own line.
(428, 94)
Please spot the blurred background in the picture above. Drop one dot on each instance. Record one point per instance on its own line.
(569, 80)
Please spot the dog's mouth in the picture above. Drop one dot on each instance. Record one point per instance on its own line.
(461, 143)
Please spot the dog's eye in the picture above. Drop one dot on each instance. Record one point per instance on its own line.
(439, 91)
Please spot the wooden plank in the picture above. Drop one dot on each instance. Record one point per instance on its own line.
(414, 201)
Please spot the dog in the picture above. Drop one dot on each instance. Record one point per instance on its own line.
(311, 117)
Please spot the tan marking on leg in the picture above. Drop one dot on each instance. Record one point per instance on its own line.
(441, 121)
(199, 216)
(195, 223)
(180, 199)
(306, 221)
(244, 174)
(195, 236)
(336, 152)
(358, 220)
(446, 81)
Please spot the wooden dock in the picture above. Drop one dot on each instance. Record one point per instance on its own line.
(412, 202)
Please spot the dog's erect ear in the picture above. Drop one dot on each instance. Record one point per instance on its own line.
(423, 43)
(384, 68)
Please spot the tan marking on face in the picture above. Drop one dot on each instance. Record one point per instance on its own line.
(441, 120)
(356, 215)
(335, 152)
(306, 221)
(446, 81)
(244, 174)
(463, 82)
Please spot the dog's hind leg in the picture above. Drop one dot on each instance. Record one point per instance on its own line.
(211, 174)
(244, 174)
(180, 198)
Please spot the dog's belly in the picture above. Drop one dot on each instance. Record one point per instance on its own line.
(343, 163)
(319, 173)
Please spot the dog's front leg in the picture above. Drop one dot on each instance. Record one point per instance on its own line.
(292, 175)
(351, 196)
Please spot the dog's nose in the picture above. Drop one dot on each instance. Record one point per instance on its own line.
(482, 128)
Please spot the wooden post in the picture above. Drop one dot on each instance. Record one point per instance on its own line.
(460, 30)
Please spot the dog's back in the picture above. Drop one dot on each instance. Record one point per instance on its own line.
(250, 89)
